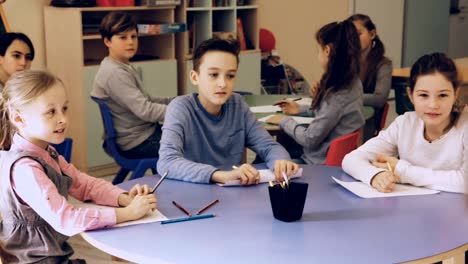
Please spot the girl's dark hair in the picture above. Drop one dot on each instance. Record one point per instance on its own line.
(115, 23)
(375, 58)
(343, 61)
(438, 63)
(230, 46)
(7, 38)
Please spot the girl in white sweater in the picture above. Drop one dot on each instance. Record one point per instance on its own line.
(427, 147)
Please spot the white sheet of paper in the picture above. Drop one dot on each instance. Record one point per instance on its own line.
(150, 217)
(299, 119)
(305, 101)
(265, 109)
(265, 176)
(365, 191)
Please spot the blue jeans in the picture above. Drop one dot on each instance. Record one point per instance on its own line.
(147, 149)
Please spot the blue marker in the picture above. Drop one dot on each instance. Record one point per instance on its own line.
(190, 218)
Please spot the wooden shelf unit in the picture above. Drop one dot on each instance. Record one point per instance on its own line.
(209, 19)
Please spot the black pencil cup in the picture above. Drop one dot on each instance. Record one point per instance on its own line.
(288, 203)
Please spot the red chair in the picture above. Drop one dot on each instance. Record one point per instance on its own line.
(267, 40)
(384, 117)
(341, 146)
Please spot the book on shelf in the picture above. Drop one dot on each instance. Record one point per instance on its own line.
(192, 33)
(218, 3)
(159, 2)
(240, 34)
(156, 29)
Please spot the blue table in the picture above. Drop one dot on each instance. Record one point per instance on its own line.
(337, 226)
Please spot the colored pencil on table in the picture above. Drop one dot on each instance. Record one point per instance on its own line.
(207, 207)
(181, 208)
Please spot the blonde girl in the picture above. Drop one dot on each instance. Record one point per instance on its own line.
(35, 182)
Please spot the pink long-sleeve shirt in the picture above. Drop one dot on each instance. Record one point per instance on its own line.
(35, 189)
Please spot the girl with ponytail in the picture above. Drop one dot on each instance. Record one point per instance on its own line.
(337, 104)
(376, 71)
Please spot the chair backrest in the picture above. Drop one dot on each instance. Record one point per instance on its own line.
(383, 119)
(109, 130)
(341, 146)
(65, 148)
(267, 40)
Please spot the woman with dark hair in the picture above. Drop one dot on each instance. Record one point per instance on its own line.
(337, 104)
(427, 147)
(16, 54)
(376, 70)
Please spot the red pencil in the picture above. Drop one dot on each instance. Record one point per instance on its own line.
(206, 207)
(181, 208)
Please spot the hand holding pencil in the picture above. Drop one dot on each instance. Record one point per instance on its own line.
(289, 107)
(385, 181)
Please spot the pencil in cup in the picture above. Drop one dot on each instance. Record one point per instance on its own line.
(278, 103)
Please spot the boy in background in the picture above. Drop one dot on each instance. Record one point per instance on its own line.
(135, 113)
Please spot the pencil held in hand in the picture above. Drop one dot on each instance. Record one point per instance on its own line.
(279, 103)
(159, 182)
(389, 167)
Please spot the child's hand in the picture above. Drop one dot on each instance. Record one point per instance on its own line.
(289, 167)
(140, 206)
(384, 181)
(245, 173)
(126, 198)
(289, 107)
(313, 90)
(381, 162)
(138, 189)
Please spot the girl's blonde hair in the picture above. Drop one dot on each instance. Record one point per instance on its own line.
(21, 89)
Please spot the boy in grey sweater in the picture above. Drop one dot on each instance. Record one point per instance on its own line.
(135, 113)
(205, 133)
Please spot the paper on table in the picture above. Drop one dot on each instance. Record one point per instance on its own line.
(365, 191)
(265, 109)
(299, 119)
(265, 176)
(150, 217)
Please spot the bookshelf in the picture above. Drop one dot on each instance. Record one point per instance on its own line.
(205, 18)
(74, 49)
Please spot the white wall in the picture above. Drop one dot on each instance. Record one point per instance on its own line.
(388, 17)
(294, 24)
(27, 16)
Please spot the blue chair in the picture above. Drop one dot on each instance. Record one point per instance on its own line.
(138, 166)
(64, 148)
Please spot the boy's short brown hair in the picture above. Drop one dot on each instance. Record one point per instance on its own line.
(115, 23)
(229, 45)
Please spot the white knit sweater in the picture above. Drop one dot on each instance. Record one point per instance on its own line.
(438, 165)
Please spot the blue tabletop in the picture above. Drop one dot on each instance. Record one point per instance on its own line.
(336, 227)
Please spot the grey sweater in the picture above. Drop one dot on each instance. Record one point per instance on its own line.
(383, 83)
(195, 144)
(134, 112)
(338, 115)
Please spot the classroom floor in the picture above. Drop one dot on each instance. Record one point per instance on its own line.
(93, 255)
